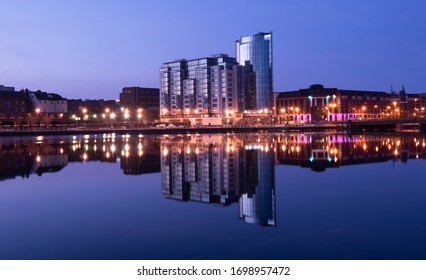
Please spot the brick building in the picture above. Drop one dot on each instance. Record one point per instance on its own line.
(141, 104)
(319, 104)
(13, 106)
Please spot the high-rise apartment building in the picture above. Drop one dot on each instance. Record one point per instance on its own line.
(219, 90)
(203, 91)
(256, 51)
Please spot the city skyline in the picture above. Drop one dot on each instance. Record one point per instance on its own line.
(64, 48)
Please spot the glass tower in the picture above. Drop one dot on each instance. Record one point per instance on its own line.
(256, 51)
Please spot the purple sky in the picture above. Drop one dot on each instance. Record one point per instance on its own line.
(91, 49)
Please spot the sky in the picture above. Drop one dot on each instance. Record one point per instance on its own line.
(92, 49)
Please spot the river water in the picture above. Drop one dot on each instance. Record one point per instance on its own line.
(219, 196)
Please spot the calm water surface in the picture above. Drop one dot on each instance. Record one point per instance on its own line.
(245, 196)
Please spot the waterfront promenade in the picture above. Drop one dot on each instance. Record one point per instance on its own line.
(172, 130)
(388, 125)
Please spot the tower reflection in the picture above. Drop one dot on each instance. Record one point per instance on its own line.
(222, 169)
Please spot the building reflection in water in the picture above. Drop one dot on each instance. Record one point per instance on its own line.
(218, 169)
(21, 158)
(320, 152)
(222, 169)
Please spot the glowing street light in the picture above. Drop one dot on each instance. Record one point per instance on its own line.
(297, 112)
(139, 118)
(38, 112)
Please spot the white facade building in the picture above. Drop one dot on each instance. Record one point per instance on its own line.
(48, 102)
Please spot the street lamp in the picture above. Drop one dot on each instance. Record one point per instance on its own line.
(292, 113)
(332, 109)
(38, 112)
(139, 115)
(284, 115)
(228, 115)
(84, 111)
(139, 118)
(112, 116)
(297, 112)
(396, 110)
(105, 115)
(126, 115)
